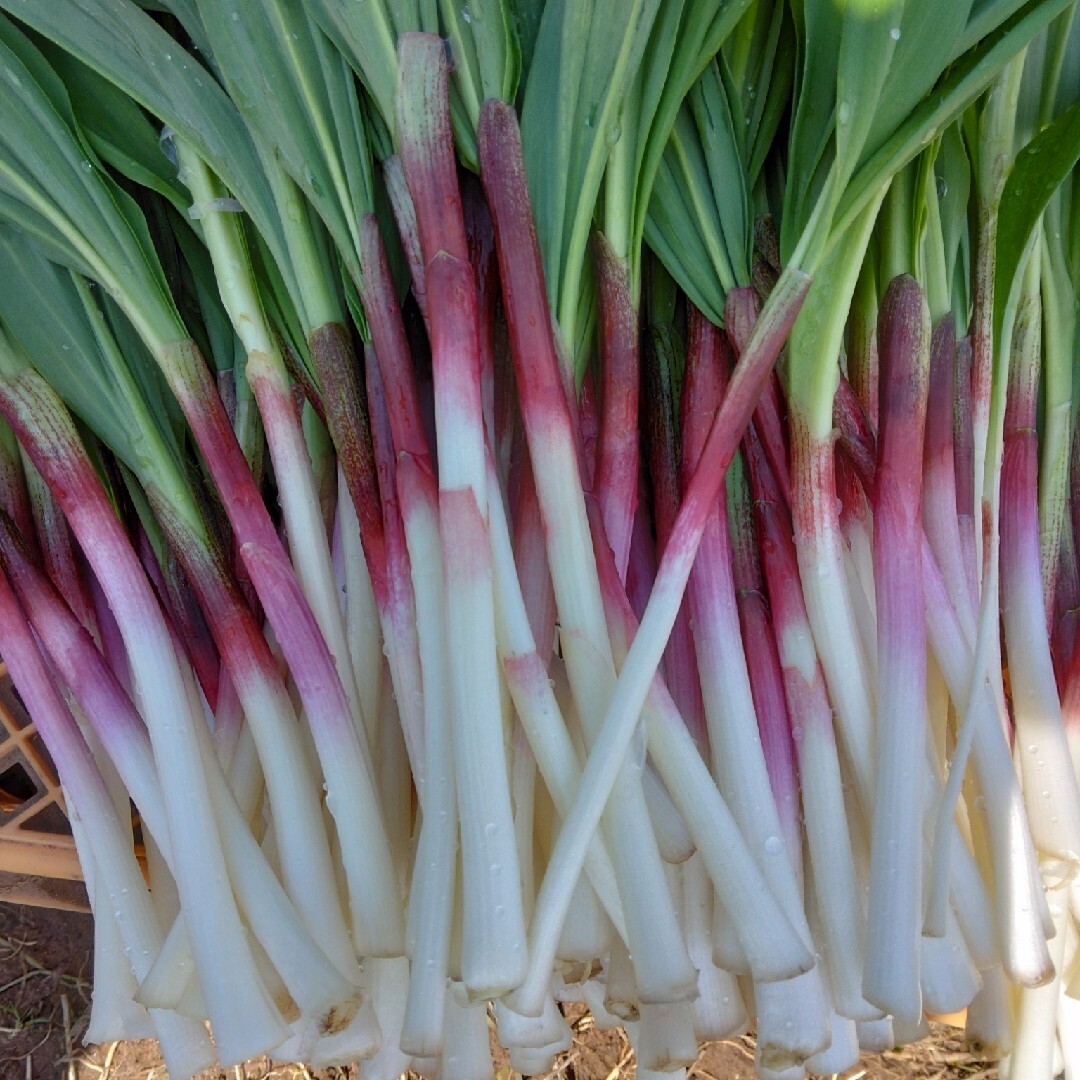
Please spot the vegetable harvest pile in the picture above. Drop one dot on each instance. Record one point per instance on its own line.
(552, 500)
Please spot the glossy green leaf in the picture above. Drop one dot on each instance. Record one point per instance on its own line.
(871, 32)
(48, 166)
(482, 38)
(954, 92)
(126, 405)
(297, 95)
(699, 222)
(1038, 170)
(121, 134)
(587, 53)
(366, 34)
(685, 37)
(125, 45)
(487, 62)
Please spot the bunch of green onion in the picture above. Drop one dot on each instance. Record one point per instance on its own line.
(540, 502)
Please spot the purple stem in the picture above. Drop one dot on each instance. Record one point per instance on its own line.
(485, 267)
(940, 496)
(1049, 781)
(399, 606)
(680, 662)
(617, 470)
(891, 974)
(641, 569)
(186, 623)
(964, 458)
(741, 309)
(58, 549)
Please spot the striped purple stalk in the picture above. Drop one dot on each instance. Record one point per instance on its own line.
(184, 1042)
(545, 410)
(399, 434)
(493, 933)
(856, 526)
(485, 267)
(191, 637)
(828, 839)
(344, 411)
(737, 754)
(378, 927)
(1050, 783)
(585, 408)
(766, 674)
(59, 553)
(110, 640)
(399, 616)
(698, 798)
(1063, 637)
(1017, 887)
(641, 568)
(662, 967)
(314, 984)
(741, 309)
(405, 218)
(530, 555)
(1069, 660)
(14, 498)
(243, 1015)
(255, 675)
(680, 665)
(1074, 485)
(616, 483)
(857, 437)
(940, 496)
(964, 459)
(891, 973)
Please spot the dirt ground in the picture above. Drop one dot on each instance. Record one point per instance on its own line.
(45, 984)
(45, 971)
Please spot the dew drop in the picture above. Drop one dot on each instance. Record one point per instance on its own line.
(466, 14)
(894, 33)
(774, 845)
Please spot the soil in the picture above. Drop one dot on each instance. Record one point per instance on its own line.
(45, 985)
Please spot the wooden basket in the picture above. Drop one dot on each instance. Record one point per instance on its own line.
(38, 861)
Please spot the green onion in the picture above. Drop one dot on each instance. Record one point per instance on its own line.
(548, 502)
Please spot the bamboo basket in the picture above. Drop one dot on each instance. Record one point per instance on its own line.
(38, 862)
